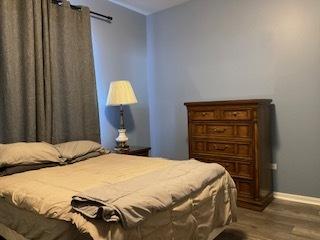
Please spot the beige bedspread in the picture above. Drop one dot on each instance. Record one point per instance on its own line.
(49, 191)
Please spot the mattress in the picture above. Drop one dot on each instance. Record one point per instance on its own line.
(34, 226)
(41, 199)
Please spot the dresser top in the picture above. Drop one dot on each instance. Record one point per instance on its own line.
(230, 102)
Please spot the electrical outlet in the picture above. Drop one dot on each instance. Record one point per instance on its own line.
(274, 166)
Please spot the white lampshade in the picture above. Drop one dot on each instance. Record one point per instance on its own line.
(121, 93)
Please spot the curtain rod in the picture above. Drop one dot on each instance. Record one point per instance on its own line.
(99, 16)
(93, 14)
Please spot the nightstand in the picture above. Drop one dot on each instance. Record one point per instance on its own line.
(138, 151)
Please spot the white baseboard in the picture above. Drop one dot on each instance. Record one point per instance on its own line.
(297, 198)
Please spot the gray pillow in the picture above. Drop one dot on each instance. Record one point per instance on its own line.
(84, 157)
(72, 150)
(24, 168)
(22, 153)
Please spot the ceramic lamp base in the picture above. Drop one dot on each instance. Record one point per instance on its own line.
(122, 140)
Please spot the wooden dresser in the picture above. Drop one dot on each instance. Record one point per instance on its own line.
(236, 134)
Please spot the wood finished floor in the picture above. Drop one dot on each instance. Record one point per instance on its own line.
(281, 220)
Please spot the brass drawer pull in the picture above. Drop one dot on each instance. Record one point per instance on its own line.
(225, 147)
(235, 114)
(219, 130)
(204, 114)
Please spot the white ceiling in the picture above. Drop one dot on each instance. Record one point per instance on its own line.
(148, 7)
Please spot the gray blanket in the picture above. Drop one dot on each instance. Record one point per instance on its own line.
(133, 201)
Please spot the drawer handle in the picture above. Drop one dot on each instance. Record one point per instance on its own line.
(225, 147)
(219, 130)
(204, 114)
(235, 114)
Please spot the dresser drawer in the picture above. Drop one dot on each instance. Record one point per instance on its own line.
(221, 130)
(204, 115)
(236, 114)
(245, 188)
(243, 149)
(220, 147)
(231, 167)
(239, 169)
(245, 170)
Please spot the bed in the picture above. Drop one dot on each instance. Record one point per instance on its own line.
(37, 204)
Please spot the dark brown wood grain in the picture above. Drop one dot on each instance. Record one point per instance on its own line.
(236, 134)
(134, 150)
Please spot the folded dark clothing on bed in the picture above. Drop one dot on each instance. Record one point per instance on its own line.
(24, 168)
(133, 201)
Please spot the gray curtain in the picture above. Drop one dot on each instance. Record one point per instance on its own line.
(47, 81)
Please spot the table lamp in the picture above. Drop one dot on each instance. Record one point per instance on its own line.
(121, 93)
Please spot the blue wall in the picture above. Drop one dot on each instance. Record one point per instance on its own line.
(213, 50)
(231, 49)
(120, 53)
